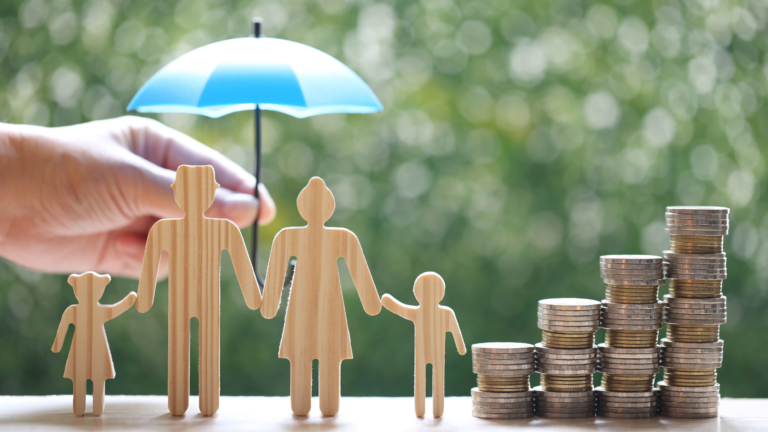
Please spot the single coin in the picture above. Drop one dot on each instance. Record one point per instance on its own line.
(502, 347)
(630, 259)
(503, 362)
(543, 355)
(502, 416)
(569, 304)
(624, 281)
(620, 266)
(480, 409)
(486, 371)
(698, 210)
(559, 312)
(478, 355)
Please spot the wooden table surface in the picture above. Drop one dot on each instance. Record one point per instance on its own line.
(150, 413)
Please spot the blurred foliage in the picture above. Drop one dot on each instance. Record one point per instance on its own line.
(520, 141)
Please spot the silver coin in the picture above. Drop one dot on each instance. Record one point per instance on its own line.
(632, 321)
(565, 357)
(630, 259)
(610, 326)
(569, 304)
(627, 415)
(680, 301)
(620, 266)
(675, 275)
(636, 357)
(686, 271)
(502, 347)
(559, 312)
(671, 344)
(568, 329)
(697, 311)
(568, 320)
(698, 210)
(632, 274)
(662, 385)
(619, 362)
(515, 405)
(540, 348)
(539, 391)
(498, 401)
(476, 409)
(564, 415)
(481, 356)
(603, 348)
(695, 266)
(640, 406)
(504, 361)
(497, 372)
(502, 416)
(557, 363)
(675, 221)
(616, 371)
(477, 392)
(631, 316)
(695, 322)
(696, 232)
(612, 305)
(694, 356)
(492, 367)
(666, 410)
(646, 282)
(711, 399)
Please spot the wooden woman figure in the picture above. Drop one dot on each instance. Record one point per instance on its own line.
(315, 319)
(194, 244)
(432, 321)
(89, 357)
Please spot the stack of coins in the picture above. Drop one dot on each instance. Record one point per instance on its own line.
(566, 358)
(694, 311)
(631, 313)
(503, 380)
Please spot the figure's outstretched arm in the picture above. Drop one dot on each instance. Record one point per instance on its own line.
(243, 267)
(149, 268)
(398, 308)
(115, 310)
(361, 274)
(453, 327)
(278, 263)
(66, 319)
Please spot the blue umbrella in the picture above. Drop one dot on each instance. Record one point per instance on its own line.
(256, 73)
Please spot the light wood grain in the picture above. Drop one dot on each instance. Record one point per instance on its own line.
(89, 357)
(431, 322)
(365, 414)
(315, 320)
(194, 244)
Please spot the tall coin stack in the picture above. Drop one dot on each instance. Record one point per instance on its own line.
(631, 313)
(694, 311)
(566, 357)
(503, 380)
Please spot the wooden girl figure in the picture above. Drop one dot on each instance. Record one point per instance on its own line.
(315, 320)
(194, 244)
(432, 321)
(89, 357)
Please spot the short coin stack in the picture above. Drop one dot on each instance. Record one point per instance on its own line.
(631, 313)
(566, 358)
(694, 311)
(503, 380)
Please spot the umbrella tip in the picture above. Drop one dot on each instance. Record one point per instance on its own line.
(256, 21)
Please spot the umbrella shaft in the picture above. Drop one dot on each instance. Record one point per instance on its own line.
(257, 173)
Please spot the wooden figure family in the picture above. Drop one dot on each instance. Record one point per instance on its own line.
(315, 320)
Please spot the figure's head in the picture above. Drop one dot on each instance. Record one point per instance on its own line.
(429, 286)
(194, 188)
(316, 203)
(89, 286)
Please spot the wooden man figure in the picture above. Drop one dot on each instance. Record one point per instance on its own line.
(89, 357)
(432, 322)
(315, 320)
(194, 244)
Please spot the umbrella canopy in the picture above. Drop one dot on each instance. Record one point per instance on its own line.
(246, 73)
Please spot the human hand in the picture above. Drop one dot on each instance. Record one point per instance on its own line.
(83, 197)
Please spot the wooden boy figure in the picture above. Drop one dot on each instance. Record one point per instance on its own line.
(89, 357)
(194, 244)
(432, 321)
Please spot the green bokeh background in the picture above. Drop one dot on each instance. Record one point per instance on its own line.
(519, 141)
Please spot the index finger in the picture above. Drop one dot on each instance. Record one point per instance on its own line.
(170, 148)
